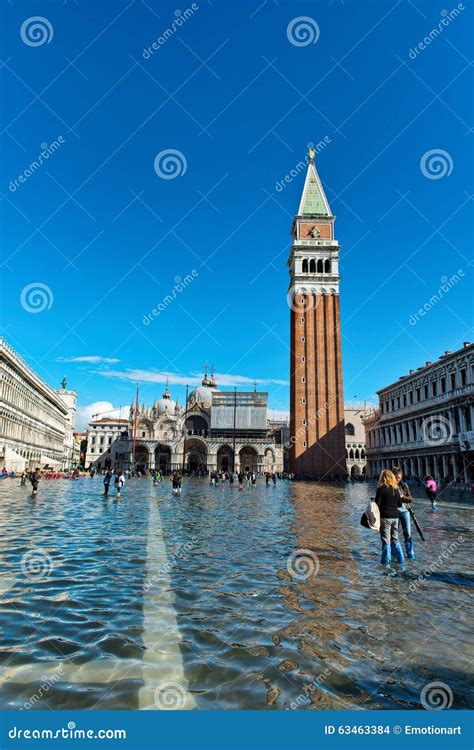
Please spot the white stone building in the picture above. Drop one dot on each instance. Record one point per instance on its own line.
(354, 430)
(215, 427)
(103, 442)
(36, 421)
(424, 422)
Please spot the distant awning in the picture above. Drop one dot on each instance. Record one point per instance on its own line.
(13, 460)
(45, 461)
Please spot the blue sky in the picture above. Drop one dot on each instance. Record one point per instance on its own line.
(239, 90)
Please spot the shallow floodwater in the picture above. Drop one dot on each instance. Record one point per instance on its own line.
(198, 601)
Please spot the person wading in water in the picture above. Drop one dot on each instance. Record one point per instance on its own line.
(107, 480)
(431, 488)
(35, 476)
(389, 501)
(404, 512)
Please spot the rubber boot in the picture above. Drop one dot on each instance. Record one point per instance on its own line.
(433, 506)
(410, 550)
(397, 552)
(386, 555)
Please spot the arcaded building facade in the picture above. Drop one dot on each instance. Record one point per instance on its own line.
(216, 431)
(424, 422)
(36, 421)
(354, 429)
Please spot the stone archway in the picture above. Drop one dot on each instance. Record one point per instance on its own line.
(142, 458)
(248, 458)
(195, 455)
(163, 458)
(225, 456)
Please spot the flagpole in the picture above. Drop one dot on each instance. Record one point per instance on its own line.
(184, 438)
(233, 430)
(135, 424)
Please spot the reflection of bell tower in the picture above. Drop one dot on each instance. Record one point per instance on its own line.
(316, 395)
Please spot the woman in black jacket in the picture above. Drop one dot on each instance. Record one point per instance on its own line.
(389, 501)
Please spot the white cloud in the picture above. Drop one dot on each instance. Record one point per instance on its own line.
(105, 408)
(152, 376)
(90, 359)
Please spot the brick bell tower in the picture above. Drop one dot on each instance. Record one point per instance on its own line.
(316, 394)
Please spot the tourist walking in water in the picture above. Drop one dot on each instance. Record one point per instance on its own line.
(241, 480)
(34, 480)
(119, 483)
(107, 480)
(389, 501)
(176, 482)
(431, 488)
(404, 513)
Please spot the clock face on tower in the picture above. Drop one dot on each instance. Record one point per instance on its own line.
(314, 232)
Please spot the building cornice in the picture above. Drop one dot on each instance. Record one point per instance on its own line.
(13, 359)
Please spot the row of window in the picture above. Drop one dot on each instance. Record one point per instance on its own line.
(414, 430)
(316, 266)
(434, 388)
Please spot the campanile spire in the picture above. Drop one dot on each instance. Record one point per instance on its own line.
(316, 394)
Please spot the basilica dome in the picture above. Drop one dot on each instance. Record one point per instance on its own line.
(165, 405)
(202, 395)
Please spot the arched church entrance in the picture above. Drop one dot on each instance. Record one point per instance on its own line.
(248, 458)
(225, 456)
(141, 458)
(196, 456)
(163, 458)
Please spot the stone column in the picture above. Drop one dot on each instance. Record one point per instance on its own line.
(444, 459)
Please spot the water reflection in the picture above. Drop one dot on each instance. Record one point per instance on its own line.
(197, 589)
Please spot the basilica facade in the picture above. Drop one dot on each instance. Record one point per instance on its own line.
(215, 431)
